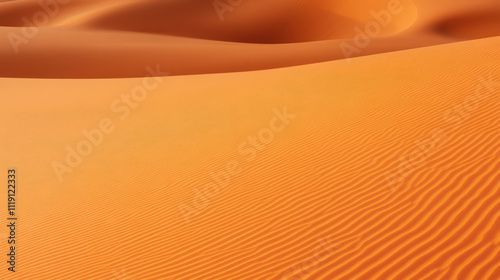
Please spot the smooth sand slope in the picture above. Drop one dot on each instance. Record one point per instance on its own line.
(388, 169)
(114, 39)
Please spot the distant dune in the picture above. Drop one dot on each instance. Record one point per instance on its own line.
(114, 39)
(265, 152)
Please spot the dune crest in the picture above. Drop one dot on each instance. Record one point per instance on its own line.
(90, 39)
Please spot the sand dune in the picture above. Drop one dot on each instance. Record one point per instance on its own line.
(265, 22)
(316, 203)
(115, 39)
(254, 149)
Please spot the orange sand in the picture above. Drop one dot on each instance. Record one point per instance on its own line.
(112, 39)
(388, 168)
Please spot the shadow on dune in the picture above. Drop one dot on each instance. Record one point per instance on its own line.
(471, 26)
(265, 22)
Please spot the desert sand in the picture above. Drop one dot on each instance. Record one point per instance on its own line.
(249, 146)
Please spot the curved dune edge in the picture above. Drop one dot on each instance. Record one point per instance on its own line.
(118, 39)
(272, 21)
(316, 202)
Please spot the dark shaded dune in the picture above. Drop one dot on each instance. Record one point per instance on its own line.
(118, 39)
(107, 54)
(12, 12)
(250, 22)
(92, 54)
(471, 26)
